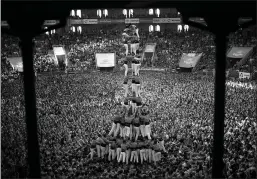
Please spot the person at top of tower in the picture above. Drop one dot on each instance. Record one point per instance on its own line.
(135, 39)
(126, 39)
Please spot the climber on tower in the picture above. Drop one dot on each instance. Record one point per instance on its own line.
(126, 38)
(135, 39)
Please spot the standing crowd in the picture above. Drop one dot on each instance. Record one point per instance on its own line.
(79, 114)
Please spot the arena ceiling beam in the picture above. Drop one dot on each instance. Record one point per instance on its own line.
(27, 17)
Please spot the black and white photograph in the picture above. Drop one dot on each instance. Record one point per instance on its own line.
(128, 89)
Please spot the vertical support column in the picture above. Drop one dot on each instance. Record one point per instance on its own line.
(220, 79)
(30, 107)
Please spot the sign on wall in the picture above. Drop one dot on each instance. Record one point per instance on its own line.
(132, 21)
(105, 59)
(90, 21)
(16, 63)
(189, 60)
(166, 20)
(243, 75)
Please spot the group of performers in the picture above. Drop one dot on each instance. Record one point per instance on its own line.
(130, 138)
(130, 37)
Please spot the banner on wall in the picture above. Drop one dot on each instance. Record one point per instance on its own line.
(126, 21)
(238, 55)
(166, 20)
(51, 22)
(76, 21)
(105, 59)
(90, 21)
(239, 52)
(60, 56)
(150, 47)
(47, 22)
(243, 75)
(105, 21)
(16, 63)
(83, 21)
(132, 21)
(189, 60)
(118, 21)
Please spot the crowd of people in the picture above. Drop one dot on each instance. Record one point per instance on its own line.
(81, 47)
(74, 110)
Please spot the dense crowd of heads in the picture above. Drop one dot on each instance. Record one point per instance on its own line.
(73, 110)
(170, 46)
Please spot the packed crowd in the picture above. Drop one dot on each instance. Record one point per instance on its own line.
(73, 110)
(181, 106)
(81, 48)
(7, 72)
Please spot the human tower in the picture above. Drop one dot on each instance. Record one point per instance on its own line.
(130, 139)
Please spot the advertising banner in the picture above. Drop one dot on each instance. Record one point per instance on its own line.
(105, 21)
(239, 52)
(76, 21)
(60, 55)
(243, 75)
(132, 21)
(118, 21)
(126, 21)
(238, 55)
(166, 20)
(105, 59)
(83, 21)
(189, 60)
(51, 22)
(150, 47)
(59, 51)
(90, 21)
(16, 63)
(146, 20)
